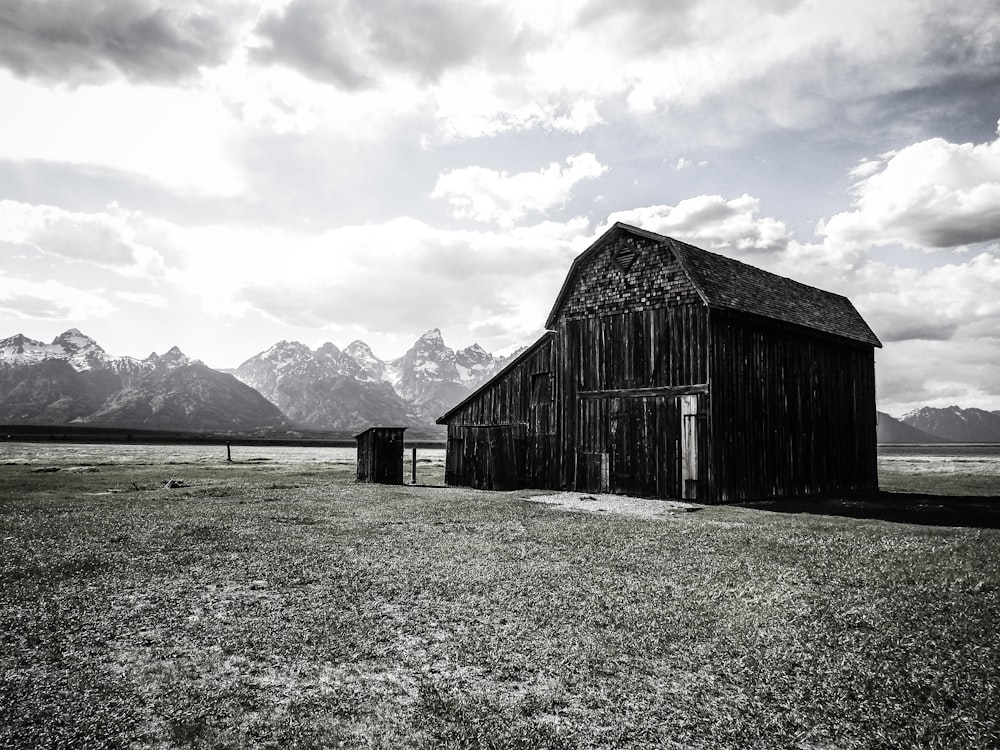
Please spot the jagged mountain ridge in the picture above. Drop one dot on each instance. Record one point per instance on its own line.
(352, 388)
(892, 430)
(73, 380)
(954, 423)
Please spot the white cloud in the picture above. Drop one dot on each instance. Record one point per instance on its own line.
(182, 139)
(754, 67)
(402, 275)
(714, 223)
(935, 304)
(490, 195)
(930, 194)
(144, 298)
(50, 300)
(106, 239)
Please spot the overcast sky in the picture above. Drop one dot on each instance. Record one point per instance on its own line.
(223, 174)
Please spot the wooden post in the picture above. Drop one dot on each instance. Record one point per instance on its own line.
(229, 455)
(413, 468)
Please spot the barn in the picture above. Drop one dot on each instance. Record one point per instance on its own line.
(670, 371)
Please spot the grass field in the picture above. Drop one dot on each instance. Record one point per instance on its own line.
(264, 605)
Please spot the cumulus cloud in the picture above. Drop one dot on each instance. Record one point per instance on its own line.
(490, 195)
(730, 70)
(356, 45)
(92, 41)
(933, 304)
(714, 223)
(105, 239)
(931, 194)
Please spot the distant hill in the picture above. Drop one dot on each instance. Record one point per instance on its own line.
(891, 430)
(957, 424)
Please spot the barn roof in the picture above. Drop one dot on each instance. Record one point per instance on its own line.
(727, 284)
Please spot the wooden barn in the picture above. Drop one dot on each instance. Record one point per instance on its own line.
(670, 371)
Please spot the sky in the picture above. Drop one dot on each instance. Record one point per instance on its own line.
(221, 175)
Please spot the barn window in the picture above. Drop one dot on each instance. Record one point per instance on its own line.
(541, 387)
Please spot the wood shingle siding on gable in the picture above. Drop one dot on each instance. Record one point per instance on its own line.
(669, 371)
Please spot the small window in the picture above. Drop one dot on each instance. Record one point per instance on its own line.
(541, 388)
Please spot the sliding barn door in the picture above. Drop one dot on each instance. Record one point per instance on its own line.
(629, 445)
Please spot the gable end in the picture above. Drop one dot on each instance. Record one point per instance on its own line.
(624, 271)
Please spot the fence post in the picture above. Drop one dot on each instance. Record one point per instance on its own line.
(413, 468)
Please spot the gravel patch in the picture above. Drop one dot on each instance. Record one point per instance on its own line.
(625, 505)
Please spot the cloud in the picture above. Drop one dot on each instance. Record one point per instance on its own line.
(936, 304)
(144, 298)
(399, 276)
(96, 40)
(356, 45)
(50, 300)
(731, 227)
(931, 194)
(912, 374)
(103, 239)
(725, 73)
(489, 195)
(181, 139)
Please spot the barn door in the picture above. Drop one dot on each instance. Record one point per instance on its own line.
(629, 445)
(690, 420)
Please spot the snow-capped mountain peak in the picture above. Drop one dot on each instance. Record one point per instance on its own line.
(81, 351)
(370, 367)
(19, 349)
(172, 358)
(73, 341)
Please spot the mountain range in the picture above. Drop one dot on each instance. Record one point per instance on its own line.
(288, 387)
(74, 381)
(330, 388)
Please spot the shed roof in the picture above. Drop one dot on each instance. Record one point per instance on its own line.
(727, 284)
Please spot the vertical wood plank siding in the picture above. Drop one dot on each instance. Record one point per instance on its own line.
(380, 455)
(654, 348)
(791, 413)
(506, 437)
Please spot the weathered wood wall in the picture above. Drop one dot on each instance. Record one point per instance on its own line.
(380, 455)
(505, 437)
(621, 376)
(791, 412)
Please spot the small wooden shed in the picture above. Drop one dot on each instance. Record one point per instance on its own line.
(380, 455)
(671, 371)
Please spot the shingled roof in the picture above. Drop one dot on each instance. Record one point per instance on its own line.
(727, 284)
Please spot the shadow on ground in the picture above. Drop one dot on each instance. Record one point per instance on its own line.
(899, 507)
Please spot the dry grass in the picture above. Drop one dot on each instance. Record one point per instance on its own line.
(265, 606)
